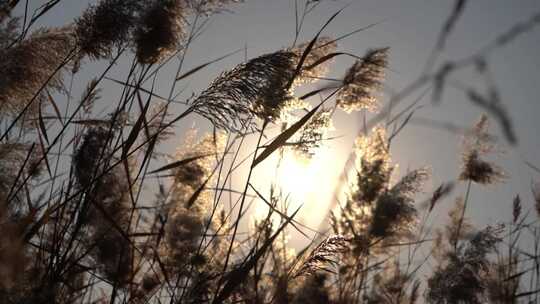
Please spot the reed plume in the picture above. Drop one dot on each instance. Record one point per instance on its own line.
(109, 205)
(503, 281)
(362, 80)
(374, 168)
(160, 31)
(316, 64)
(28, 66)
(375, 212)
(474, 167)
(105, 26)
(189, 200)
(459, 226)
(256, 89)
(462, 273)
(394, 212)
(323, 255)
(312, 134)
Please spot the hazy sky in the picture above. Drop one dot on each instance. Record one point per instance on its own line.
(410, 28)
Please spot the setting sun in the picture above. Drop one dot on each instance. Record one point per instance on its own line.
(307, 182)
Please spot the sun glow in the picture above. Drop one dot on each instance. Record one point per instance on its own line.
(302, 182)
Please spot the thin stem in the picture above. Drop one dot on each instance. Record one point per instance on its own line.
(460, 223)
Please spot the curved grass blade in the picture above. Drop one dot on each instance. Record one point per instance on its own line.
(180, 163)
(282, 138)
(204, 65)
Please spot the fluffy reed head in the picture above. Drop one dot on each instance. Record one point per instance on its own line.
(256, 89)
(109, 206)
(187, 216)
(323, 256)
(106, 25)
(458, 227)
(461, 276)
(503, 281)
(93, 151)
(183, 232)
(374, 212)
(374, 167)
(353, 219)
(476, 146)
(113, 253)
(394, 213)
(191, 175)
(312, 134)
(160, 31)
(315, 65)
(28, 66)
(362, 80)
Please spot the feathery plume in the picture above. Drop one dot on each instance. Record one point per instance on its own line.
(374, 167)
(362, 80)
(187, 218)
(90, 96)
(183, 231)
(93, 149)
(502, 283)
(374, 211)
(258, 88)
(323, 255)
(394, 213)
(160, 32)
(27, 67)
(353, 219)
(313, 68)
(462, 275)
(312, 134)
(474, 168)
(108, 191)
(458, 223)
(106, 25)
(443, 190)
